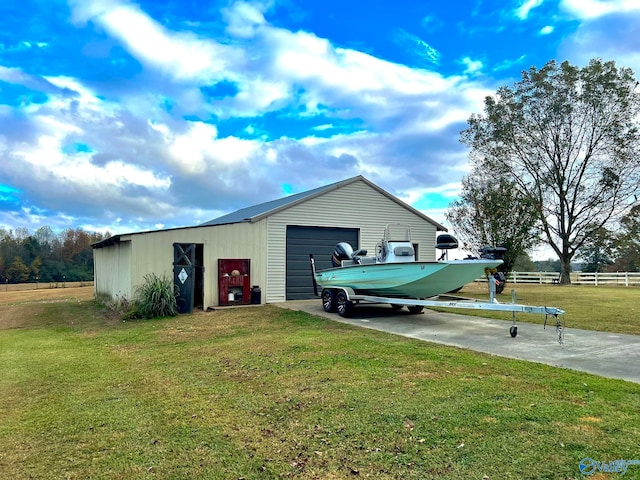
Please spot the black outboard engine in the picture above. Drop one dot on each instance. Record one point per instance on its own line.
(342, 251)
(493, 253)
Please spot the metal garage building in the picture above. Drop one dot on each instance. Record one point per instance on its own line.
(264, 248)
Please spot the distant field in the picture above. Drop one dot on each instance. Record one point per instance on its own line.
(19, 294)
(19, 287)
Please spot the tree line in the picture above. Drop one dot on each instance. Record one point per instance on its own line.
(46, 256)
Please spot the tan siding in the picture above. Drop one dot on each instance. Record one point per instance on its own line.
(276, 253)
(112, 267)
(152, 252)
(355, 205)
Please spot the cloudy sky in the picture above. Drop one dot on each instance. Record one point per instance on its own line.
(124, 116)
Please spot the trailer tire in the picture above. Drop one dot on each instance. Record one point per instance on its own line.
(328, 300)
(343, 304)
(513, 331)
(415, 309)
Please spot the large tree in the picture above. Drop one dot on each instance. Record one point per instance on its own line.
(569, 139)
(491, 212)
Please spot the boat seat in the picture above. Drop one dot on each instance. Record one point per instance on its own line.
(367, 260)
(403, 251)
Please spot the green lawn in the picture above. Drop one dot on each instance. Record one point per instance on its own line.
(264, 392)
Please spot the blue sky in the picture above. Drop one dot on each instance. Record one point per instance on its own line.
(127, 116)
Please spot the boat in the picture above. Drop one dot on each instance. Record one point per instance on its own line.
(393, 276)
(393, 271)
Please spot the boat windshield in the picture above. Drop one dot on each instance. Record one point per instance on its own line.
(397, 232)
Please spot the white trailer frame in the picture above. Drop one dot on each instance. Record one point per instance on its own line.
(342, 300)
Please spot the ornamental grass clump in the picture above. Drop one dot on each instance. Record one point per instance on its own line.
(156, 297)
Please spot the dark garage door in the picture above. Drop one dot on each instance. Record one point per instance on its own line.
(320, 241)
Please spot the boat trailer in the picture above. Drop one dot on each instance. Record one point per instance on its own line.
(342, 300)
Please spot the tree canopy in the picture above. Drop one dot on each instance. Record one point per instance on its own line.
(491, 212)
(46, 256)
(627, 242)
(569, 139)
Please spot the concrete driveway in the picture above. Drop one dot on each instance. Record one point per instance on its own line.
(607, 354)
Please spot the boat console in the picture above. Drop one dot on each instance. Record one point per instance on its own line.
(396, 252)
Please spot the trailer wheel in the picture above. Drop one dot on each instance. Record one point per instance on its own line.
(513, 331)
(396, 307)
(343, 304)
(328, 300)
(415, 308)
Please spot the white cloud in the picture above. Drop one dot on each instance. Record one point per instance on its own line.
(449, 190)
(47, 163)
(198, 151)
(452, 116)
(418, 47)
(472, 66)
(522, 12)
(257, 96)
(546, 30)
(588, 9)
(181, 55)
(244, 19)
(340, 72)
(610, 37)
(507, 64)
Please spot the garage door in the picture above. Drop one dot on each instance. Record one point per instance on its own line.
(319, 241)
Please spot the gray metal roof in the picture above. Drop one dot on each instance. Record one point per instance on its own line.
(258, 212)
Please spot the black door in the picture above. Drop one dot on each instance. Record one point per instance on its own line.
(319, 241)
(184, 274)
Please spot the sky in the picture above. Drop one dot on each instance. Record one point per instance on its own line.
(120, 116)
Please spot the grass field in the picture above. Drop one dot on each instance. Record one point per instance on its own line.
(264, 392)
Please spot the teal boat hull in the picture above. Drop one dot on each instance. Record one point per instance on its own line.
(405, 280)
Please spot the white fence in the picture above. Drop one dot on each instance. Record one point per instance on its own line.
(578, 278)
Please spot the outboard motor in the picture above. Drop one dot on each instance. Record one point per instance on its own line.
(493, 253)
(342, 251)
